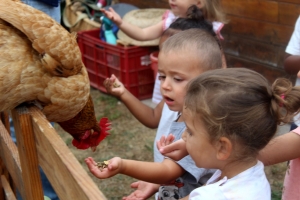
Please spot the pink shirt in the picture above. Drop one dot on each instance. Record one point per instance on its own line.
(291, 185)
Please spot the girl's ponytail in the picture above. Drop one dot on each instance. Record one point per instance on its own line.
(286, 100)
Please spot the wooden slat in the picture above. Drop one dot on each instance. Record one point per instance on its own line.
(9, 194)
(28, 155)
(10, 157)
(270, 73)
(5, 120)
(288, 13)
(290, 1)
(261, 10)
(65, 173)
(264, 53)
(276, 34)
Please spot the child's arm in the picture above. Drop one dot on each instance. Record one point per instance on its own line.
(159, 173)
(141, 34)
(185, 198)
(146, 115)
(292, 64)
(176, 150)
(282, 148)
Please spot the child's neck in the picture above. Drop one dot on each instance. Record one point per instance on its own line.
(234, 168)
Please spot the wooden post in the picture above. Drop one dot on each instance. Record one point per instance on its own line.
(28, 154)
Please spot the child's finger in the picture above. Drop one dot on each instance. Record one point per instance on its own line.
(160, 142)
(170, 138)
(104, 11)
(106, 82)
(90, 161)
(112, 10)
(134, 184)
(113, 78)
(167, 149)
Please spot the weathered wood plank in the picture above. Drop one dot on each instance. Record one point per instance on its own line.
(288, 13)
(9, 194)
(276, 34)
(264, 53)
(290, 1)
(28, 155)
(63, 170)
(271, 73)
(254, 9)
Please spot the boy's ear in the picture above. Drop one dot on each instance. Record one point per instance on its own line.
(224, 148)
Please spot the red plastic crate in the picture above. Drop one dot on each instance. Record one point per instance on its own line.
(131, 65)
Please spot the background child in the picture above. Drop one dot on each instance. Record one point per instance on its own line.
(249, 120)
(211, 9)
(183, 56)
(292, 61)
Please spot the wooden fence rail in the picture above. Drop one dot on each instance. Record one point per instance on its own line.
(38, 144)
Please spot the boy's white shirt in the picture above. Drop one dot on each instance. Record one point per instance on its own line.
(250, 184)
(293, 48)
(167, 118)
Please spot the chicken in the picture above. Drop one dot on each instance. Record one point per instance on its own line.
(41, 61)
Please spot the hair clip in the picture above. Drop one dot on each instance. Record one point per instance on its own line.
(282, 96)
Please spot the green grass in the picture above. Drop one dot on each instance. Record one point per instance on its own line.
(276, 195)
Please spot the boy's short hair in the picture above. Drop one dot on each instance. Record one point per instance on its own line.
(199, 42)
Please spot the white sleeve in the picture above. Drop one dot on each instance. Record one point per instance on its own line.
(293, 47)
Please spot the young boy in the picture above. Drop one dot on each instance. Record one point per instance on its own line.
(182, 57)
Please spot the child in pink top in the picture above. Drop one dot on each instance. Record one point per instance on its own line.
(291, 190)
(212, 12)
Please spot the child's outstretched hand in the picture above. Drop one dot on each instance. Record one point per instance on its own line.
(176, 150)
(113, 86)
(144, 190)
(112, 15)
(113, 167)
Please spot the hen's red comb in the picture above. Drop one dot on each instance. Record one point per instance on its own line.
(105, 127)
